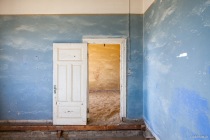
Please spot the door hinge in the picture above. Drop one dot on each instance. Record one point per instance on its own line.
(88, 117)
(55, 89)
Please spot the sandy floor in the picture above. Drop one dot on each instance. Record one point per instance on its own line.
(104, 108)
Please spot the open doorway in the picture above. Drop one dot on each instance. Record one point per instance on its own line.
(122, 43)
(104, 84)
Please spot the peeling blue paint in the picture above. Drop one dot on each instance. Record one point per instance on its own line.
(176, 89)
(26, 59)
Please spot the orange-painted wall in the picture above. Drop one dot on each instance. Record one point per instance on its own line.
(104, 66)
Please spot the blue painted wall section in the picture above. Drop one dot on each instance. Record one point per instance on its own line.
(176, 69)
(135, 69)
(26, 59)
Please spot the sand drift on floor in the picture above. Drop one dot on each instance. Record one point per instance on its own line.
(104, 108)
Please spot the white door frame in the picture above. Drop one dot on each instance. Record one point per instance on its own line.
(122, 43)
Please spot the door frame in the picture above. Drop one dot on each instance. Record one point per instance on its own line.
(123, 67)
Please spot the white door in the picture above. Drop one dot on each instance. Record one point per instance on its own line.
(70, 83)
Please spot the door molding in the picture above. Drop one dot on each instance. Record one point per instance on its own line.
(123, 80)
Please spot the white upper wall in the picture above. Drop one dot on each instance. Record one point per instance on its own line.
(27, 7)
(147, 4)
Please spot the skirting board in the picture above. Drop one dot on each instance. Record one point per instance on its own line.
(149, 128)
(136, 121)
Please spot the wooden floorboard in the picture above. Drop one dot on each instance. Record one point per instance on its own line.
(68, 128)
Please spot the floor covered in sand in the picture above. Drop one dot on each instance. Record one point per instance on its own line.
(104, 108)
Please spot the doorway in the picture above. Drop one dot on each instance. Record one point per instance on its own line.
(104, 84)
(115, 91)
(70, 80)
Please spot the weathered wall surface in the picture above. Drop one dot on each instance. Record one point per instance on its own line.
(177, 69)
(135, 69)
(104, 67)
(26, 59)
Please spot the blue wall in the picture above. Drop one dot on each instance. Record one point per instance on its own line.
(26, 59)
(135, 69)
(177, 69)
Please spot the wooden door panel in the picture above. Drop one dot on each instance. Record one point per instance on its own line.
(76, 83)
(62, 82)
(70, 80)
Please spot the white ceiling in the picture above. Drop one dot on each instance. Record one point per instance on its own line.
(25, 7)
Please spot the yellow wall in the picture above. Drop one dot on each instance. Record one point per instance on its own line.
(104, 66)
